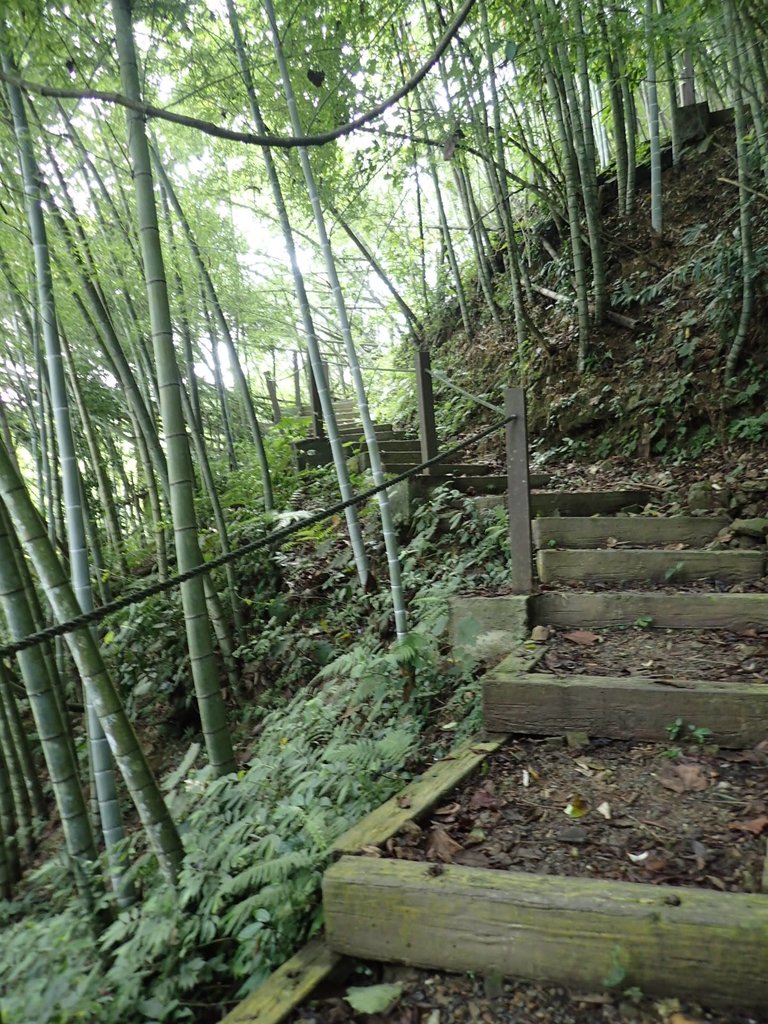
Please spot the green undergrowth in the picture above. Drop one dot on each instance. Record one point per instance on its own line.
(656, 385)
(335, 733)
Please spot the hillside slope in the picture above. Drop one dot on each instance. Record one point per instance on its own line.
(655, 387)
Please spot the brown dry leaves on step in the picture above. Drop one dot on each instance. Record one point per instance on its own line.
(666, 655)
(435, 997)
(609, 810)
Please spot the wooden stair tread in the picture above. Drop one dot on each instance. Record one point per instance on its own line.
(590, 531)
(676, 941)
(636, 564)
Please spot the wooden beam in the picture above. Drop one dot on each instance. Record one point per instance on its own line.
(588, 532)
(586, 503)
(632, 707)
(418, 798)
(518, 493)
(273, 399)
(664, 940)
(666, 611)
(425, 402)
(657, 566)
(289, 986)
(314, 399)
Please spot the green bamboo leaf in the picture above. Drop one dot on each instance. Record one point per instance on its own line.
(374, 998)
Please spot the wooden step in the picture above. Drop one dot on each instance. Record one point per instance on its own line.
(443, 468)
(670, 941)
(288, 986)
(575, 503)
(623, 707)
(665, 611)
(488, 484)
(654, 566)
(595, 531)
(399, 463)
(355, 433)
(411, 445)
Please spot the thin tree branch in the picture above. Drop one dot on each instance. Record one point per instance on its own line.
(249, 138)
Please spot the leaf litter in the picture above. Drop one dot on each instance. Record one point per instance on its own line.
(436, 997)
(664, 654)
(687, 815)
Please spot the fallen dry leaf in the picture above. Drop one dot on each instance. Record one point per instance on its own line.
(441, 846)
(482, 798)
(683, 1018)
(756, 826)
(583, 637)
(447, 810)
(683, 778)
(577, 808)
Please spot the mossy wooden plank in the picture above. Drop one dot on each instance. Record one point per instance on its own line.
(666, 611)
(585, 503)
(708, 945)
(656, 566)
(289, 986)
(586, 532)
(447, 469)
(418, 797)
(537, 704)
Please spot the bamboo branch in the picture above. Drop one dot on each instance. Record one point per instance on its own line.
(249, 138)
(615, 318)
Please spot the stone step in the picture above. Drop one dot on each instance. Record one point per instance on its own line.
(596, 531)
(671, 567)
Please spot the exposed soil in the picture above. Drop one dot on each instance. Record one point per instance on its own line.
(706, 586)
(434, 997)
(608, 810)
(664, 654)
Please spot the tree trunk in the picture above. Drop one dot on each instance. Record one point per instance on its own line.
(198, 629)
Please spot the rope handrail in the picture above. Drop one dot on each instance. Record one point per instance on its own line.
(462, 391)
(163, 586)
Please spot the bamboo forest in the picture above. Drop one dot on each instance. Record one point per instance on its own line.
(257, 260)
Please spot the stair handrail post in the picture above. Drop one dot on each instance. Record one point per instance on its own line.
(518, 492)
(426, 406)
(296, 382)
(273, 399)
(314, 398)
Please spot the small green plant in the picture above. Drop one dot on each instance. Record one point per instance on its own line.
(618, 969)
(672, 571)
(644, 621)
(675, 729)
(699, 734)
(634, 995)
(696, 735)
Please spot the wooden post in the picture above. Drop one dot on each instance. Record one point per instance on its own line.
(426, 406)
(296, 383)
(273, 399)
(317, 409)
(518, 493)
(687, 87)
